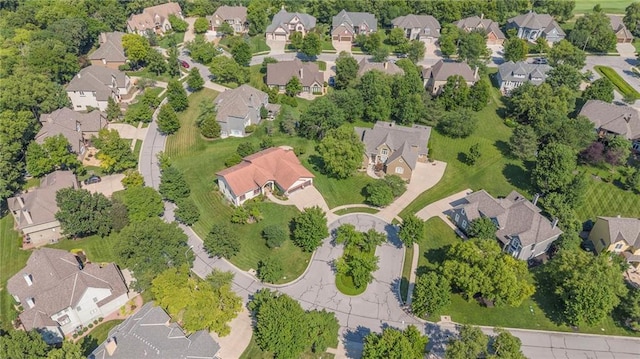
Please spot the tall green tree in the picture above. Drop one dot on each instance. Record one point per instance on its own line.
(168, 122)
(26, 90)
(482, 228)
(137, 48)
(222, 241)
(173, 186)
(459, 124)
(227, 70)
(201, 25)
(200, 50)
(375, 89)
(23, 344)
(177, 24)
(113, 110)
(194, 80)
(561, 10)
(258, 16)
(296, 38)
(142, 203)
(515, 49)
(416, 50)
(115, 153)
(16, 129)
(523, 143)
(472, 47)
(411, 230)
(564, 75)
(430, 293)
(156, 62)
(455, 93)
(150, 247)
(346, 70)
(632, 18)
(51, 57)
(449, 35)
(293, 87)
(321, 116)
(506, 345)
(82, 213)
(309, 228)
(564, 52)
(241, 53)
(173, 63)
(341, 152)
(53, 154)
(177, 96)
(554, 168)
(593, 32)
(393, 343)
(312, 45)
(471, 343)
(600, 89)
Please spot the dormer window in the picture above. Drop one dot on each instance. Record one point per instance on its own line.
(31, 302)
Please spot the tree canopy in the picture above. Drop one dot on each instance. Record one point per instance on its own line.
(53, 154)
(142, 203)
(82, 213)
(309, 228)
(411, 230)
(346, 70)
(393, 343)
(115, 153)
(430, 293)
(321, 116)
(222, 241)
(593, 32)
(341, 151)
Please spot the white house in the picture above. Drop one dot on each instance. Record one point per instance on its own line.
(93, 85)
(60, 293)
(274, 169)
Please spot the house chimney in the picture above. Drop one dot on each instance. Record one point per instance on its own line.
(301, 72)
(535, 198)
(554, 223)
(386, 65)
(111, 345)
(21, 201)
(28, 279)
(27, 216)
(103, 37)
(481, 16)
(475, 73)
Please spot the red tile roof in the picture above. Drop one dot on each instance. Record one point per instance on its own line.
(273, 164)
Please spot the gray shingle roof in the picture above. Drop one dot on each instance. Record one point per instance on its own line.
(516, 216)
(150, 334)
(355, 19)
(280, 73)
(386, 67)
(40, 204)
(419, 21)
(622, 120)
(442, 70)
(533, 20)
(97, 79)
(59, 283)
(523, 72)
(408, 142)
(476, 23)
(283, 17)
(234, 106)
(110, 48)
(71, 124)
(230, 12)
(627, 229)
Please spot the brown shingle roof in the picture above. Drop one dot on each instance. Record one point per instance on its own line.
(97, 79)
(280, 73)
(230, 12)
(477, 23)
(58, 282)
(418, 21)
(71, 124)
(40, 204)
(442, 70)
(273, 164)
(110, 48)
(147, 19)
(621, 120)
(408, 142)
(386, 67)
(619, 27)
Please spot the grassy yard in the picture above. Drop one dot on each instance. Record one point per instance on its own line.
(609, 6)
(620, 84)
(96, 248)
(165, 41)
(494, 171)
(607, 199)
(533, 313)
(406, 272)
(342, 212)
(12, 260)
(137, 148)
(253, 351)
(97, 336)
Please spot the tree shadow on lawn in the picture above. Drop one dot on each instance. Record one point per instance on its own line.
(435, 257)
(503, 147)
(316, 162)
(517, 177)
(546, 299)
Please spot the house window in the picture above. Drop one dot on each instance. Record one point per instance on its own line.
(464, 224)
(64, 320)
(457, 217)
(79, 308)
(82, 93)
(384, 152)
(602, 242)
(256, 191)
(399, 170)
(95, 300)
(242, 197)
(618, 246)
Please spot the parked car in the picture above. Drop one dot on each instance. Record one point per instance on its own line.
(402, 56)
(93, 179)
(184, 64)
(540, 61)
(332, 81)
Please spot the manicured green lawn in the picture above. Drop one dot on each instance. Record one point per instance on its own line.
(533, 313)
(31, 183)
(137, 148)
(345, 285)
(322, 65)
(609, 6)
(494, 171)
(607, 199)
(620, 84)
(12, 260)
(406, 272)
(253, 351)
(96, 248)
(98, 335)
(344, 211)
(165, 40)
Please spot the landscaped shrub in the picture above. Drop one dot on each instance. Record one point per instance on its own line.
(274, 235)
(232, 160)
(378, 193)
(90, 325)
(75, 335)
(270, 270)
(95, 322)
(240, 215)
(100, 319)
(623, 86)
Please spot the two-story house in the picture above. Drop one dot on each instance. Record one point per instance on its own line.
(60, 293)
(76, 127)
(623, 35)
(284, 23)
(531, 26)
(419, 27)
(520, 228)
(347, 25)
(110, 53)
(34, 211)
(365, 65)
(154, 18)
(495, 36)
(435, 77)
(239, 108)
(93, 85)
(513, 74)
(273, 169)
(235, 16)
(309, 74)
(614, 120)
(397, 149)
(618, 235)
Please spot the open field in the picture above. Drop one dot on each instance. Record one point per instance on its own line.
(607, 199)
(609, 6)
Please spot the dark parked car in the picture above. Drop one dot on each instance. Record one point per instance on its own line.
(540, 61)
(184, 64)
(402, 56)
(93, 179)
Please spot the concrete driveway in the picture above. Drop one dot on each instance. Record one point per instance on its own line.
(189, 35)
(277, 47)
(626, 50)
(107, 186)
(341, 46)
(129, 132)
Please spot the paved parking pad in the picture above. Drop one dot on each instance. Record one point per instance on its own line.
(107, 186)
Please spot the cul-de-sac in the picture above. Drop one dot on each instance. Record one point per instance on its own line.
(283, 179)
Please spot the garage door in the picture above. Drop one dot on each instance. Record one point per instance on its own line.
(345, 38)
(337, 38)
(306, 184)
(280, 37)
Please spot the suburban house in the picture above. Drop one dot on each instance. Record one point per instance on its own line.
(520, 228)
(618, 235)
(274, 169)
(238, 108)
(93, 85)
(616, 120)
(284, 23)
(309, 74)
(436, 76)
(150, 334)
(386, 67)
(531, 26)
(396, 150)
(154, 18)
(60, 293)
(236, 16)
(495, 36)
(34, 211)
(347, 25)
(513, 74)
(622, 33)
(419, 27)
(76, 127)
(110, 53)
